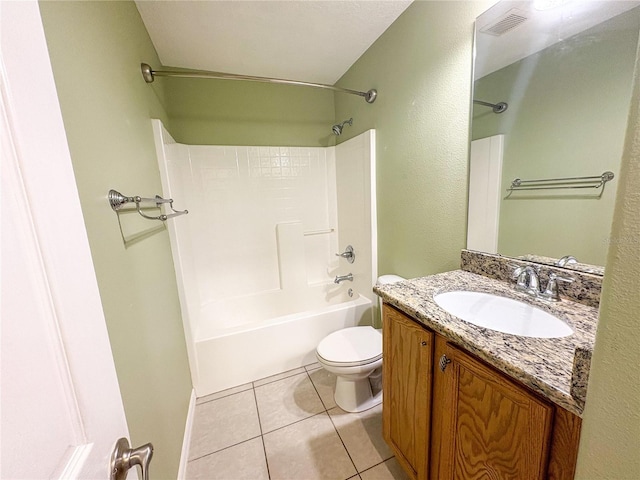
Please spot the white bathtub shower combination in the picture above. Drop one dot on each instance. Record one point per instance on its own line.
(255, 258)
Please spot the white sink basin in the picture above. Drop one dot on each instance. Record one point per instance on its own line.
(502, 314)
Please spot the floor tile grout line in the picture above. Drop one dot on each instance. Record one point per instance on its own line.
(300, 420)
(376, 465)
(221, 449)
(297, 421)
(264, 448)
(238, 443)
(266, 459)
(253, 385)
(255, 399)
(224, 396)
(326, 409)
(343, 444)
(345, 447)
(277, 380)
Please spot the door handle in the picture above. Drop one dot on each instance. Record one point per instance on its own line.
(123, 458)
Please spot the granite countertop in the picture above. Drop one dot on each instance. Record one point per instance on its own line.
(546, 365)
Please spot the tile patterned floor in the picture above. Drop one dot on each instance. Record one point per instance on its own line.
(287, 427)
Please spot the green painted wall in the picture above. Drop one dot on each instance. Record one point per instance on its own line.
(610, 442)
(224, 112)
(568, 108)
(96, 49)
(421, 67)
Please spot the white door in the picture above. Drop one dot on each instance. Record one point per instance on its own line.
(61, 410)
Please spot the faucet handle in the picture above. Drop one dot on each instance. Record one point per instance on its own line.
(566, 260)
(517, 269)
(551, 292)
(348, 253)
(555, 276)
(520, 269)
(520, 275)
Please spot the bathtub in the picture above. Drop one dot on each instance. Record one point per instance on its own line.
(227, 357)
(255, 258)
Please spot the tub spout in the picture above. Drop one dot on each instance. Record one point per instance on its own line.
(342, 278)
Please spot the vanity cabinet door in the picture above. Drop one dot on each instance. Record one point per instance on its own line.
(488, 426)
(407, 376)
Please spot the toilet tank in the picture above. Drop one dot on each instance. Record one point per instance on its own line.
(384, 280)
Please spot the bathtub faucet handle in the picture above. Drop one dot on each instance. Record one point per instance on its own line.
(348, 253)
(342, 278)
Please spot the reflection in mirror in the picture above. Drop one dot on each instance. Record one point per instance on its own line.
(557, 262)
(566, 75)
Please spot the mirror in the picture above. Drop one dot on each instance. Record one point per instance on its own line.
(564, 70)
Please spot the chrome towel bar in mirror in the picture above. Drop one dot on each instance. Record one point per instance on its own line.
(595, 181)
(118, 200)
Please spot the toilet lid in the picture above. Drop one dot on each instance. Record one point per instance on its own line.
(352, 346)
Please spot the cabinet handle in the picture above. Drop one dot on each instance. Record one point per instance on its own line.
(444, 361)
(424, 344)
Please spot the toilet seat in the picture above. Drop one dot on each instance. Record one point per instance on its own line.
(354, 346)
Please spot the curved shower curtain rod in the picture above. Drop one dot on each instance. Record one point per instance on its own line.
(149, 75)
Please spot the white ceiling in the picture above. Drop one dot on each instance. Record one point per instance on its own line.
(306, 40)
(542, 29)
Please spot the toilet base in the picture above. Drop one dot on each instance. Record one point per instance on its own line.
(355, 395)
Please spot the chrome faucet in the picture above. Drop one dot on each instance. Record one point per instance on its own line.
(527, 280)
(342, 278)
(566, 260)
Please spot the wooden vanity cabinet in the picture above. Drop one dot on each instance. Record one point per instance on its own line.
(489, 426)
(462, 419)
(407, 371)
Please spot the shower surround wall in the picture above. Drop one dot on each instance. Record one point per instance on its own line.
(255, 257)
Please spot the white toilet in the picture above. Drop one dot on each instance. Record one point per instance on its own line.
(353, 354)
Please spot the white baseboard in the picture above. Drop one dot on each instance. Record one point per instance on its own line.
(184, 455)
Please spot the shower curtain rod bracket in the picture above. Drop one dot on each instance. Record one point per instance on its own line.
(496, 107)
(371, 95)
(149, 75)
(147, 72)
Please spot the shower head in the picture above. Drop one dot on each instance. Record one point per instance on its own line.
(337, 129)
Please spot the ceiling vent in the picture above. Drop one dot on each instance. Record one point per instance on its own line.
(505, 23)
